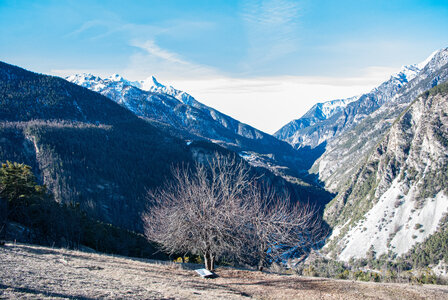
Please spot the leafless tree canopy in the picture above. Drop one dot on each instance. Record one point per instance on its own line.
(276, 225)
(217, 210)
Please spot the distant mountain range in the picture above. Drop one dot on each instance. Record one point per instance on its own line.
(183, 116)
(182, 112)
(329, 119)
(347, 150)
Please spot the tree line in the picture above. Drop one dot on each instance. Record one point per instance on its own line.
(29, 213)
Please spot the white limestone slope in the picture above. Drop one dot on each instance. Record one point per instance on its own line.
(394, 223)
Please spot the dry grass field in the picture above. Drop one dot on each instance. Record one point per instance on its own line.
(34, 272)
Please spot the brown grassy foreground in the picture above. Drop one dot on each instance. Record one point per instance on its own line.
(34, 272)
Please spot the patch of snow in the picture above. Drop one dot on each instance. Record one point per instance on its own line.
(329, 108)
(441, 269)
(190, 116)
(77, 107)
(244, 154)
(335, 233)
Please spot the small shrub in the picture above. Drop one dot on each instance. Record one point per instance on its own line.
(418, 226)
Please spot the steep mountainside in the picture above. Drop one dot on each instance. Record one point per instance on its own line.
(185, 117)
(400, 194)
(84, 146)
(89, 150)
(327, 120)
(344, 155)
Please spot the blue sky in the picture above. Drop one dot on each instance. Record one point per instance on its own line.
(264, 62)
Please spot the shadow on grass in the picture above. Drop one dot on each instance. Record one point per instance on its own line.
(289, 283)
(209, 285)
(38, 292)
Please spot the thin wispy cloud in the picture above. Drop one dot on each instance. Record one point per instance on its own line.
(152, 49)
(151, 59)
(98, 29)
(272, 29)
(84, 27)
(146, 57)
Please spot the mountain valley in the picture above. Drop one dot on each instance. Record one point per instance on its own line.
(374, 164)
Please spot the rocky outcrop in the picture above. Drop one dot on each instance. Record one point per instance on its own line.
(400, 194)
(345, 154)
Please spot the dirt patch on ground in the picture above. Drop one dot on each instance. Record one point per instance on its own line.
(35, 272)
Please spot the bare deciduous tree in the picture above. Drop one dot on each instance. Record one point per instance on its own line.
(199, 211)
(217, 210)
(277, 225)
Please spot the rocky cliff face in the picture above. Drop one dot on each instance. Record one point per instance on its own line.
(345, 154)
(400, 194)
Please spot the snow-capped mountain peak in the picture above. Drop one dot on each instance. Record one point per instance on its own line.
(86, 80)
(406, 73)
(313, 128)
(149, 84)
(329, 108)
(118, 82)
(82, 77)
(155, 82)
(116, 77)
(427, 60)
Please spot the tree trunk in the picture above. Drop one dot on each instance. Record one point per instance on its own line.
(3, 218)
(205, 261)
(209, 261)
(262, 260)
(212, 262)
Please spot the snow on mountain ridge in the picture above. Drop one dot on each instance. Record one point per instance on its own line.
(407, 73)
(187, 118)
(428, 59)
(314, 126)
(328, 108)
(151, 84)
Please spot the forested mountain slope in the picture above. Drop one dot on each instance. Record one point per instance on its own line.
(85, 147)
(90, 150)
